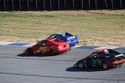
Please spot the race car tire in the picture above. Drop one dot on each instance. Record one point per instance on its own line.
(51, 52)
(119, 65)
(104, 66)
(30, 52)
(81, 65)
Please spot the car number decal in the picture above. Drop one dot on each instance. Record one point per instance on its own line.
(42, 50)
(95, 62)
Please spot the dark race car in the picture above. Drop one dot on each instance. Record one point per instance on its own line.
(103, 59)
(50, 46)
(67, 37)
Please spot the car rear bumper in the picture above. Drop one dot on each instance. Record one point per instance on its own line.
(116, 63)
(119, 61)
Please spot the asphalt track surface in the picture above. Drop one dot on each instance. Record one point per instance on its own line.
(52, 69)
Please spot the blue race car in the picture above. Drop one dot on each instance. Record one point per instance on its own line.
(67, 37)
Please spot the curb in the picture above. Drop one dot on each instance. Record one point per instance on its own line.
(25, 44)
(20, 44)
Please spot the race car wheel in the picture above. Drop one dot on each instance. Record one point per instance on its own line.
(81, 65)
(119, 65)
(104, 66)
(30, 52)
(51, 52)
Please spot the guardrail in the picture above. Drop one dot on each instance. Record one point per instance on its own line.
(13, 5)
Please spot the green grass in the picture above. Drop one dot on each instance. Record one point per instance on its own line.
(92, 27)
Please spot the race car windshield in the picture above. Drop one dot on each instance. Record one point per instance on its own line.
(110, 54)
(113, 53)
(93, 54)
(42, 43)
(52, 36)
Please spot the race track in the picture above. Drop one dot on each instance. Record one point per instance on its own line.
(52, 69)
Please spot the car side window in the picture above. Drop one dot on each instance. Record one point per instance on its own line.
(42, 43)
(94, 55)
(102, 55)
(112, 52)
(52, 36)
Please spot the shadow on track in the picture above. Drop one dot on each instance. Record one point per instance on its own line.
(74, 69)
(23, 55)
(32, 55)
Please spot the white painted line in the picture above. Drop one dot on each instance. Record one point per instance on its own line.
(14, 44)
(5, 43)
(28, 45)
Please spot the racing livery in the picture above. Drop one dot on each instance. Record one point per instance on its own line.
(67, 37)
(49, 46)
(104, 59)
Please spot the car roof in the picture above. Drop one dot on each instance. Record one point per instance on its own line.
(55, 40)
(63, 34)
(100, 50)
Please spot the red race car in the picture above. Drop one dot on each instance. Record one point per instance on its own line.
(50, 46)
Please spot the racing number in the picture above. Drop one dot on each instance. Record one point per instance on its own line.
(95, 62)
(42, 50)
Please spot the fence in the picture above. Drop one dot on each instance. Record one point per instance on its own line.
(60, 4)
